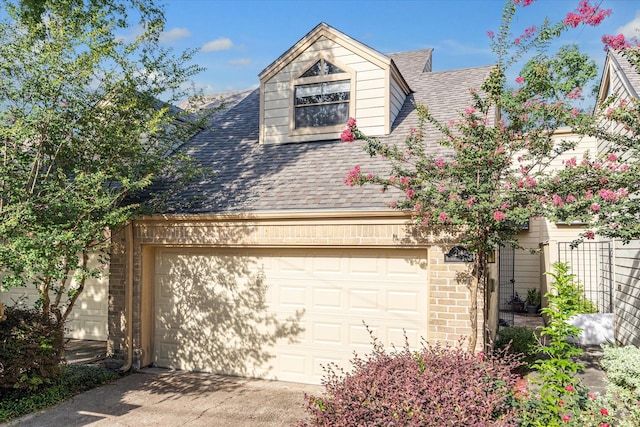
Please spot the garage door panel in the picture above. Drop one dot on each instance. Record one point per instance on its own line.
(219, 310)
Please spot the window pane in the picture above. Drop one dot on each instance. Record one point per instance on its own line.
(329, 68)
(322, 115)
(318, 93)
(315, 70)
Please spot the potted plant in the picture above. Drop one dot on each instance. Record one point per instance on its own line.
(517, 303)
(533, 300)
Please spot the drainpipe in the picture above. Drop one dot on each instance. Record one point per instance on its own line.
(129, 299)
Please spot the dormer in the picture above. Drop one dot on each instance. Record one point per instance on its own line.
(311, 90)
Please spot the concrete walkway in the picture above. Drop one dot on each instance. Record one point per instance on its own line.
(160, 397)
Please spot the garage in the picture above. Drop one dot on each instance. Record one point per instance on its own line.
(283, 313)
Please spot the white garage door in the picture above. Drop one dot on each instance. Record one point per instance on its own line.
(281, 314)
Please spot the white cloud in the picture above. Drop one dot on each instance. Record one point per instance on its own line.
(131, 35)
(631, 29)
(240, 61)
(174, 34)
(221, 43)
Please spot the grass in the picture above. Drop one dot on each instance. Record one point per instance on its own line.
(73, 380)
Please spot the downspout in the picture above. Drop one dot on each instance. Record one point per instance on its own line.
(129, 299)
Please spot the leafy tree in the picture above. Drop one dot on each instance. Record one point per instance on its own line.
(601, 190)
(82, 135)
(480, 181)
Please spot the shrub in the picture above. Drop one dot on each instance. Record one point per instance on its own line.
(72, 380)
(434, 386)
(31, 349)
(518, 340)
(622, 365)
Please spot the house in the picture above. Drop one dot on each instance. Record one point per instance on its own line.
(272, 267)
(621, 80)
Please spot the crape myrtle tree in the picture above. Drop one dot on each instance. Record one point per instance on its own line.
(601, 189)
(480, 180)
(82, 134)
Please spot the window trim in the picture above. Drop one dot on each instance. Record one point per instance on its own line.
(348, 74)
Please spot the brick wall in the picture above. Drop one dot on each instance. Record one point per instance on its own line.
(449, 296)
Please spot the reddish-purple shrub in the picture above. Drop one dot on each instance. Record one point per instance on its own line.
(434, 386)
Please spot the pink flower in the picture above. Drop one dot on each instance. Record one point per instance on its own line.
(369, 176)
(604, 411)
(595, 207)
(491, 34)
(612, 158)
(352, 177)
(622, 193)
(439, 163)
(499, 216)
(569, 388)
(586, 14)
(404, 180)
(566, 418)
(608, 195)
(393, 204)
(561, 402)
(519, 79)
(574, 112)
(604, 425)
(347, 136)
(523, 3)
(351, 123)
(575, 93)
(570, 198)
(411, 194)
(615, 42)
(556, 200)
(592, 395)
(469, 110)
(444, 217)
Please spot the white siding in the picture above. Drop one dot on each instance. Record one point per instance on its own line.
(627, 292)
(528, 272)
(368, 92)
(396, 100)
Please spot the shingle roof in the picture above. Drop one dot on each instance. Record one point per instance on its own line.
(249, 177)
(630, 73)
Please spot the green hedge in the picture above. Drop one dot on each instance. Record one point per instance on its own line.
(31, 350)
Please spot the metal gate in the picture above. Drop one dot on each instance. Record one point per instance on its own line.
(506, 286)
(591, 262)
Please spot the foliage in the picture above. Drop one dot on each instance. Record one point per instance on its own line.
(622, 365)
(519, 340)
(533, 297)
(434, 386)
(601, 190)
(557, 370)
(74, 379)
(574, 407)
(479, 175)
(83, 135)
(31, 350)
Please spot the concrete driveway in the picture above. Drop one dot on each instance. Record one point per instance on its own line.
(159, 397)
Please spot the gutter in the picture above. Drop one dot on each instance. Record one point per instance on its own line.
(129, 300)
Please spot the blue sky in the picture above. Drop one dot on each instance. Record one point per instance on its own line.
(239, 38)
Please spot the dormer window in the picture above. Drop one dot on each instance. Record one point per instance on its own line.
(321, 96)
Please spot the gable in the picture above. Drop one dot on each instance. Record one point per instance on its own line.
(371, 88)
(621, 81)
